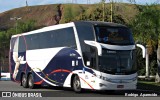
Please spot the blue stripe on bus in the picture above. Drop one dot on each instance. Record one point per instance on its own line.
(62, 60)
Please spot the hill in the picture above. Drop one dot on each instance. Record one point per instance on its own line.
(46, 15)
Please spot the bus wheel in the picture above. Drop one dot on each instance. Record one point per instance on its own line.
(31, 81)
(24, 81)
(76, 84)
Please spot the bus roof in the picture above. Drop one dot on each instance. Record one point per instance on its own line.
(48, 28)
(101, 23)
(71, 24)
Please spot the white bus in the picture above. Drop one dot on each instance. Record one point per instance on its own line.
(81, 55)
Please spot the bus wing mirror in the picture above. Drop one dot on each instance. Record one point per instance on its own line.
(95, 44)
(143, 49)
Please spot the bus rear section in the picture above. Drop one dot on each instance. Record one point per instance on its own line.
(44, 57)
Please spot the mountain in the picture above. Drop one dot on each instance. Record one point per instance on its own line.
(46, 15)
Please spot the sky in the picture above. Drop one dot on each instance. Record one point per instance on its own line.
(11, 4)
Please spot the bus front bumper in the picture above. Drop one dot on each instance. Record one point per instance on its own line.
(104, 85)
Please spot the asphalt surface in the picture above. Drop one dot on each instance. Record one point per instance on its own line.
(52, 93)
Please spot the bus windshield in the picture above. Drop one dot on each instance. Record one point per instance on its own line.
(117, 62)
(114, 35)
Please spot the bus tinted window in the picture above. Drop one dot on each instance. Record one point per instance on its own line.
(85, 32)
(22, 45)
(55, 38)
(15, 47)
(114, 35)
(12, 43)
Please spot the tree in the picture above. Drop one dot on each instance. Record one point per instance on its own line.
(26, 26)
(5, 36)
(146, 30)
(3, 46)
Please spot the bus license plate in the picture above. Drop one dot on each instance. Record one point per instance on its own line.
(120, 86)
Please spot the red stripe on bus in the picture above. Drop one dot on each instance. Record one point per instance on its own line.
(63, 70)
(38, 83)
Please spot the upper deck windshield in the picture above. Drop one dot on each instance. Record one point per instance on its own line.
(114, 35)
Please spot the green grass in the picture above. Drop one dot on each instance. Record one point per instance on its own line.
(149, 83)
(146, 85)
(71, 11)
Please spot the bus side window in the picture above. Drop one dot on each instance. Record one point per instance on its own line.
(90, 56)
(12, 43)
(22, 45)
(15, 49)
(94, 55)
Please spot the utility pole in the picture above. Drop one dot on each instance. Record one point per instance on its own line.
(26, 3)
(16, 19)
(111, 1)
(111, 9)
(103, 5)
(147, 62)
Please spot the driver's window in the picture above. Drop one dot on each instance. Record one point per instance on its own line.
(102, 34)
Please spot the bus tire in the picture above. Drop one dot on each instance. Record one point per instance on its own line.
(31, 81)
(21, 79)
(76, 84)
(24, 81)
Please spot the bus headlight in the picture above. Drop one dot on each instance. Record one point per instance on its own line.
(117, 80)
(104, 78)
(101, 85)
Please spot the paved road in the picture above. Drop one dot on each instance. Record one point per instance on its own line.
(68, 93)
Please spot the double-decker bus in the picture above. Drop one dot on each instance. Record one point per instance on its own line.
(81, 55)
